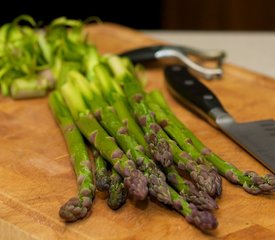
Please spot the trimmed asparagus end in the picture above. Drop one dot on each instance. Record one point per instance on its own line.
(29, 88)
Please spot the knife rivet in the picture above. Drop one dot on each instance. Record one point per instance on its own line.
(207, 97)
(188, 82)
(176, 68)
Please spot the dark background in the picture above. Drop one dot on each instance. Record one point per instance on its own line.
(136, 14)
(152, 14)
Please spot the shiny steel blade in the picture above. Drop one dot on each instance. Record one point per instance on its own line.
(258, 138)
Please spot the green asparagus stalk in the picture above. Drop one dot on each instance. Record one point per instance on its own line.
(172, 130)
(110, 121)
(117, 193)
(249, 180)
(157, 146)
(134, 180)
(188, 190)
(204, 220)
(115, 97)
(206, 178)
(77, 207)
(101, 172)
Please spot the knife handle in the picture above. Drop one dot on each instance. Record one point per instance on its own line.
(195, 95)
(142, 54)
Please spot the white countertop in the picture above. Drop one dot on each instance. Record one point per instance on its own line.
(251, 50)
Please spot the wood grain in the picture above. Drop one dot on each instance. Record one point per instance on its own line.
(36, 176)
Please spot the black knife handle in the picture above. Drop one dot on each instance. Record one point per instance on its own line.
(142, 54)
(148, 53)
(191, 92)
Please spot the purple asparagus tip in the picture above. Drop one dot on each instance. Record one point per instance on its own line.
(160, 150)
(265, 184)
(204, 220)
(199, 198)
(207, 180)
(158, 186)
(75, 209)
(102, 180)
(136, 183)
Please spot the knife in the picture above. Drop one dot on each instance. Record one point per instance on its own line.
(258, 137)
(181, 53)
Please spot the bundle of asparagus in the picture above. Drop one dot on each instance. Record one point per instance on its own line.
(112, 111)
(139, 146)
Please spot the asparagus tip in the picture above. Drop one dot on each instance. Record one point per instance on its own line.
(117, 191)
(207, 180)
(75, 208)
(102, 180)
(160, 150)
(159, 188)
(264, 184)
(118, 198)
(199, 198)
(204, 220)
(136, 184)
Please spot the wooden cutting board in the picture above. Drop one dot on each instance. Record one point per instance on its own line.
(36, 176)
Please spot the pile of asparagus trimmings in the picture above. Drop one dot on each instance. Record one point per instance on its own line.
(139, 146)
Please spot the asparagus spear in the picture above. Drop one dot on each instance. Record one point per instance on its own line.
(188, 191)
(101, 173)
(203, 220)
(172, 130)
(134, 180)
(157, 146)
(113, 183)
(110, 121)
(206, 178)
(77, 207)
(115, 97)
(249, 180)
(117, 191)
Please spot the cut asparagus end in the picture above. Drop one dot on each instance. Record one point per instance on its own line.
(29, 88)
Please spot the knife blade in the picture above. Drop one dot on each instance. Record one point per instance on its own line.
(258, 137)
